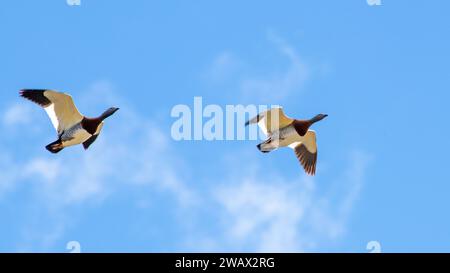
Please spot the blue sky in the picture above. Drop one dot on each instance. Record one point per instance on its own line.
(380, 72)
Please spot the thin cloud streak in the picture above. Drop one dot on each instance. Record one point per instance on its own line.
(263, 87)
(131, 152)
(267, 213)
(277, 213)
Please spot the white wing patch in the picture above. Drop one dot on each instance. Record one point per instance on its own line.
(294, 144)
(262, 126)
(51, 113)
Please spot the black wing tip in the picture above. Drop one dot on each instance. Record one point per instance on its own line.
(253, 120)
(25, 90)
(36, 96)
(31, 92)
(86, 146)
(55, 147)
(260, 149)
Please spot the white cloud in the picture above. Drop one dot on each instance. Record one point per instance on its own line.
(332, 211)
(223, 67)
(274, 213)
(132, 151)
(269, 213)
(263, 215)
(18, 114)
(269, 86)
(8, 175)
(278, 85)
(49, 170)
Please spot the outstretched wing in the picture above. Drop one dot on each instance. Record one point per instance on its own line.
(93, 138)
(59, 106)
(271, 120)
(306, 151)
(88, 142)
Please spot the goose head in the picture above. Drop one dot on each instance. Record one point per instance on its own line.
(108, 113)
(318, 117)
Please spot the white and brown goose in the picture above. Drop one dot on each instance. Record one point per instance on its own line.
(283, 131)
(72, 127)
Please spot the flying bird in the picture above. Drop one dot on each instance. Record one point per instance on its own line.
(283, 131)
(72, 127)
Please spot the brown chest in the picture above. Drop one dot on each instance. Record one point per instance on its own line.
(90, 125)
(301, 126)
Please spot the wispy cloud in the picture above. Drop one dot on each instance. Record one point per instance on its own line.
(9, 173)
(274, 212)
(255, 211)
(132, 151)
(264, 215)
(333, 210)
(271, 212)
(18, 114)
(268, 85)
(134, 143)
(223, 67)
(275, 86)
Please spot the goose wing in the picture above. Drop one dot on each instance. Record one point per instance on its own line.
(59, 106)
(306, 151)
(271, 120)
(89, 142)
(93, 138)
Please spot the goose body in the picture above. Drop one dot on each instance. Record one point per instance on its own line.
(72, 127)
(283, 131)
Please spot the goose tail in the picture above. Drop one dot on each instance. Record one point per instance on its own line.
(55, 147)
(266, 146)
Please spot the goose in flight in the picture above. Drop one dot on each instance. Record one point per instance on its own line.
(72, 127)
(283, 131)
